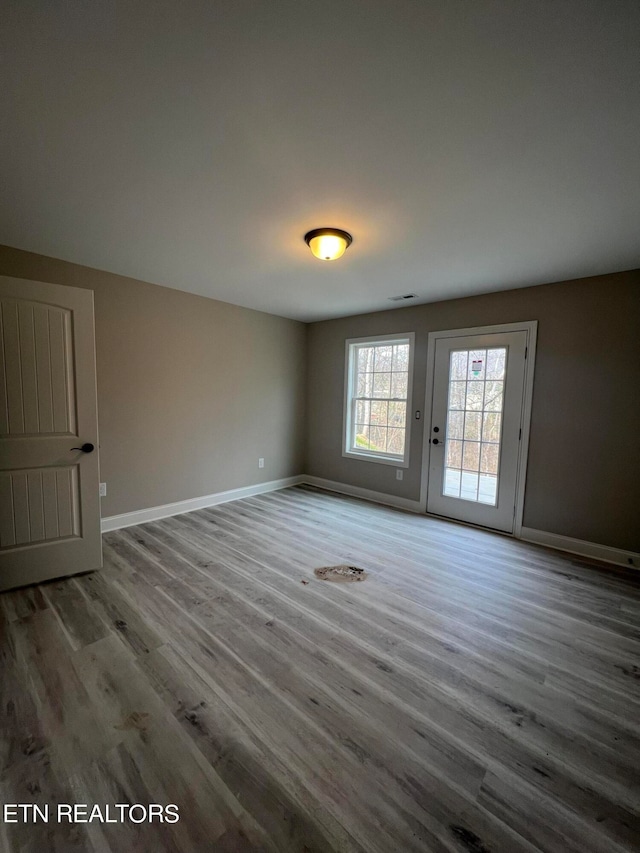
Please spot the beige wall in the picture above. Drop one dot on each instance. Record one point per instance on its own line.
(584, 459)
(191, 391)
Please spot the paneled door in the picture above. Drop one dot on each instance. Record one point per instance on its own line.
(476, 430)
(49, 501)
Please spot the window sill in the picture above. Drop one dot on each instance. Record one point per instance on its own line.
(382, 460)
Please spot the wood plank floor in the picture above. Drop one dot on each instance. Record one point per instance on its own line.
(474, 694)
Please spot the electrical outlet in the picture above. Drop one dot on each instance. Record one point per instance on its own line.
(103, 490)
(261, 462)
(399, 473)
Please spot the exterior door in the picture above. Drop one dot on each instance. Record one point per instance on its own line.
(476, 427)
(49, 502)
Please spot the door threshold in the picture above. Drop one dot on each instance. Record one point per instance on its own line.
(510, 535)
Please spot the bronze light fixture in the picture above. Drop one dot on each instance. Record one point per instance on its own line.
(328, 244)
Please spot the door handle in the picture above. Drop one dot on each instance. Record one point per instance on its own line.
(86, 448)
(435, 441)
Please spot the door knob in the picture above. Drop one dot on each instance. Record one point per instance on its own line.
(86, 448)
(435, 441)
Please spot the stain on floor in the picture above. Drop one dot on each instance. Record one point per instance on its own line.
(340, 574)
(135, 720)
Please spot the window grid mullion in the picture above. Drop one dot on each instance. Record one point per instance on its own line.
(382, 399)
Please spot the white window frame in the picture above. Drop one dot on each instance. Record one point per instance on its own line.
(349, 375)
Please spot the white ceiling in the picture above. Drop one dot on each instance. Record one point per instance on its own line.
(468, 145)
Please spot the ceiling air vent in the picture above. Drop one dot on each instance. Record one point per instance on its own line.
(403, 297)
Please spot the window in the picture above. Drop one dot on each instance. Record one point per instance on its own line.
(474, 424)
(378, 384)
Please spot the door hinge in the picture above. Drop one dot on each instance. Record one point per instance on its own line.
(520, 435)
(526, 350)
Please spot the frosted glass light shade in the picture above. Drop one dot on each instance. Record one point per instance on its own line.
(327, 244)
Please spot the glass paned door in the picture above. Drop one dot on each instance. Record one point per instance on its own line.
(474, 420)
(475, 429)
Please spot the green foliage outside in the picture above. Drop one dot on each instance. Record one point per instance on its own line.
(363, 441)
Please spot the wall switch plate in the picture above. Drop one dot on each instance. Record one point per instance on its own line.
(103, 490)
(399, 473)
(261, 462)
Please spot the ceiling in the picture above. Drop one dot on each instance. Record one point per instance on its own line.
(468, 146)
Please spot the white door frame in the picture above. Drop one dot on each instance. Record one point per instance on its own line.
(531, 328)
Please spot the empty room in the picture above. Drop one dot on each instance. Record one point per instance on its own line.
(319, 426)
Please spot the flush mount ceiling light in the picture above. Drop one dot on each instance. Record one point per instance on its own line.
(327, 244)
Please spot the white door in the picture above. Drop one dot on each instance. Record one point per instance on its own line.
(49, 503)
(477, 426)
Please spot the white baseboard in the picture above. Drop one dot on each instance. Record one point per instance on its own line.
(604, 553)
(365, 494)
(154, 513)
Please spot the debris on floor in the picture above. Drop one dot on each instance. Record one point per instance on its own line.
(340, 574)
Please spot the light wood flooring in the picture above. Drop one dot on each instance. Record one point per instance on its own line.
(474, 694)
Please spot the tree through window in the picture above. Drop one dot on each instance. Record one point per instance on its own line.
(377, 398)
